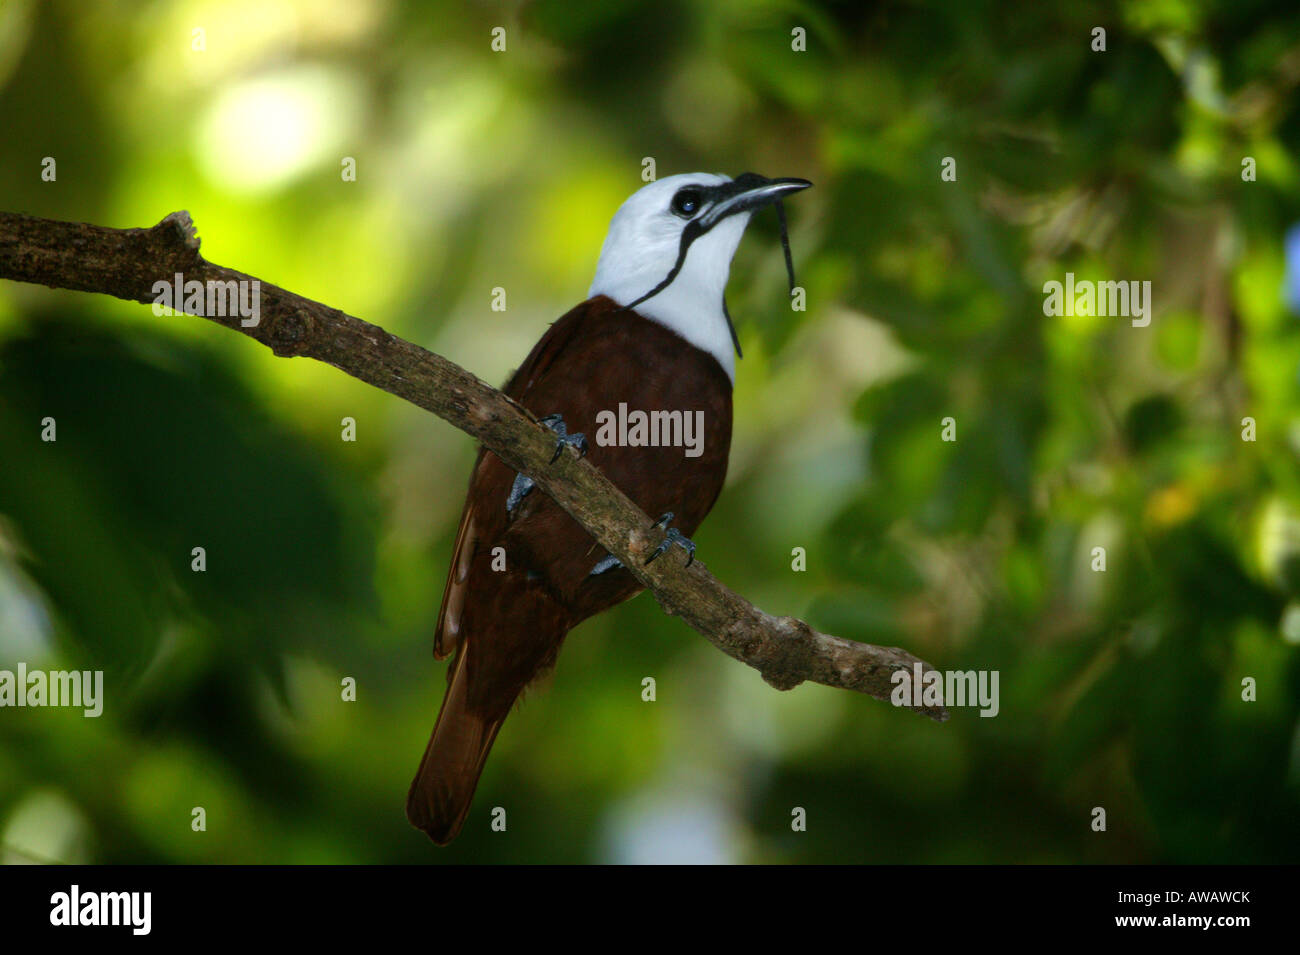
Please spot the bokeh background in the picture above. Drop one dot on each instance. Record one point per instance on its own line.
(478, 169)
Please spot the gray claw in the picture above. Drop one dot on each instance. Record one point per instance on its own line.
(672, 536)
(518, 491)
(524, 484)
(579, 441)
(609, 562)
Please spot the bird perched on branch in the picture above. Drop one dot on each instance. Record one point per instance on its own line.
(653, 336)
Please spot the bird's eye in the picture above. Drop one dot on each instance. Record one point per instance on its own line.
(686, 203)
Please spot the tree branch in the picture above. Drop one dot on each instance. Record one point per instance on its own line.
(127, 262)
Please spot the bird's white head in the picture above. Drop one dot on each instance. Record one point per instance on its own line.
(669, 251)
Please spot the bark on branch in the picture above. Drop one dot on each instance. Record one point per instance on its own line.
(127, 262)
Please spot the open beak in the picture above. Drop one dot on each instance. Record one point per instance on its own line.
(745, 193)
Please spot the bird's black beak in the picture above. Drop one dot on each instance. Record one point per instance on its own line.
(745, 193)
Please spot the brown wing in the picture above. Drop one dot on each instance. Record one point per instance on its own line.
(448, 635)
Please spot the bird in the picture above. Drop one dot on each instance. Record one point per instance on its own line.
(654, 335)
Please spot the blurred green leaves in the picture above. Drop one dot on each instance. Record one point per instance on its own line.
(1121, 687)
(160, 451)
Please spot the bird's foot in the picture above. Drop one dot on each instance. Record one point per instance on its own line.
(672, 536)
(607, 563)
(518, 491)
(563, 438)
(523, 483)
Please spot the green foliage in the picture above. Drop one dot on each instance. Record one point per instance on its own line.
(1120, 688)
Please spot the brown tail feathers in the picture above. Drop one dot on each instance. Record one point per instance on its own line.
(444, 784)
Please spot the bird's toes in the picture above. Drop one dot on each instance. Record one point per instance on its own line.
(607, 563)
(518, 491)
(672, 536)
(563, 439)
(576, 441)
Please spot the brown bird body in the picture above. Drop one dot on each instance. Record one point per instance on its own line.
(506, 626)
(654, 336)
